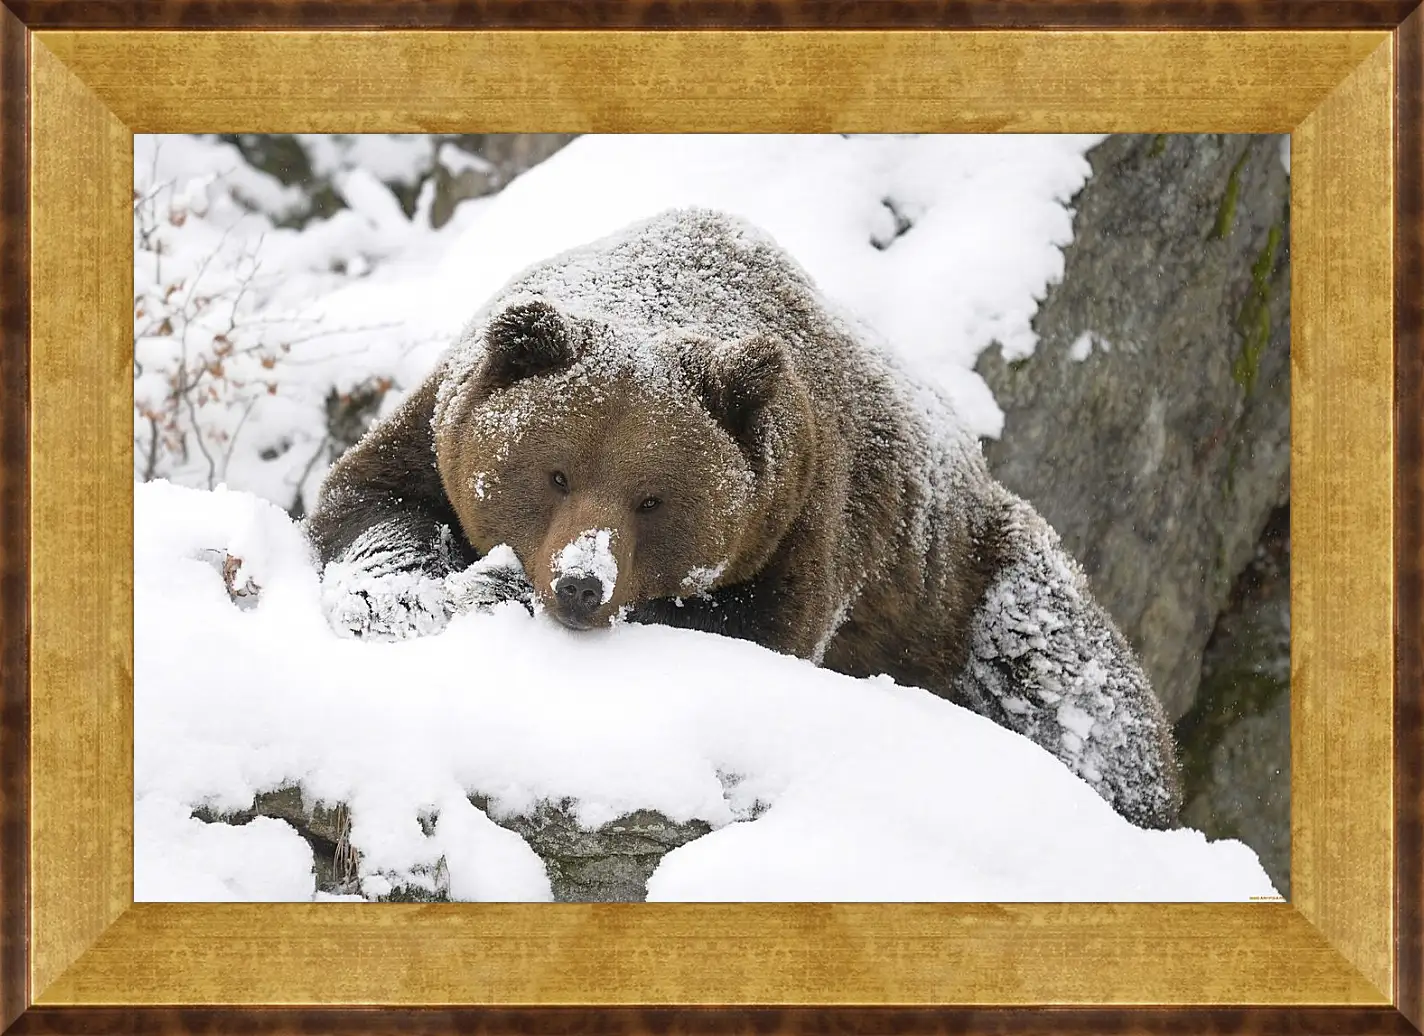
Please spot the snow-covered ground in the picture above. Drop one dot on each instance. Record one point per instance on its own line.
(875, 791)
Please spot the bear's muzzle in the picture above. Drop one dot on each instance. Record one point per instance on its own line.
(577, 600)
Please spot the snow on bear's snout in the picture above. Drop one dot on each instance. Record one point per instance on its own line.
(590, 555)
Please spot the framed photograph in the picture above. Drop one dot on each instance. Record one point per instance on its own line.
(712, 517)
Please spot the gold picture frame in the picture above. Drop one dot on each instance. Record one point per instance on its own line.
(1345, 953)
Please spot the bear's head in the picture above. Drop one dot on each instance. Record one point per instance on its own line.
(621, 466)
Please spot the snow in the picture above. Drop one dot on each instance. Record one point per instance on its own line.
(457, 160)
(589, 555)
(862, 789)
(389, 157)
(703, 577)
(180, 859)
(369, 198)
(1084, 345)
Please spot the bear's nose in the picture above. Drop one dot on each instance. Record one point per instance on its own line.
(580, 595)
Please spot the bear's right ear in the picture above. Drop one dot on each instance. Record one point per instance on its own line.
(737, 383)
(526, 339)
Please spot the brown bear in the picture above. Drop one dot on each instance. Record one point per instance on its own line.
(673, 425)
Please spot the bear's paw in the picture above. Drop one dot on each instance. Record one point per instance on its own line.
(398, 606)
(495, 578)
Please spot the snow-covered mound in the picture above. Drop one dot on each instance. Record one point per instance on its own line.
(871, 791)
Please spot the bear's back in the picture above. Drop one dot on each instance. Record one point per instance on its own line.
(691, 269)
(694, 271)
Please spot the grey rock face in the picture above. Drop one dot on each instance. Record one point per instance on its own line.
(611, 863)
(506, 156)
(1235, 743)
(1151, 424)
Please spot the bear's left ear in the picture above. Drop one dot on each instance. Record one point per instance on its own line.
(738, 381)
(525, 339)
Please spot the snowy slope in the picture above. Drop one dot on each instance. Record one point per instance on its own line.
(943, 243)
(876, 792)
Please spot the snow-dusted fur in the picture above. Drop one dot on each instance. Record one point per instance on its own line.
(855, 523)
(1046, 660)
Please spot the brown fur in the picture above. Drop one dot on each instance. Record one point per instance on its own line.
(622, 441)
(787, 456)
(788, 567)
(738, 409)
(390, 475)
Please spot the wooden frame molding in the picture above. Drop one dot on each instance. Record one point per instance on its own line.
(1344, 77)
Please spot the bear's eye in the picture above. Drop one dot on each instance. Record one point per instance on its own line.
(650, 503)
(559, 479)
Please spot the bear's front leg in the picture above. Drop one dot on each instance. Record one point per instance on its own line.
(395, 563)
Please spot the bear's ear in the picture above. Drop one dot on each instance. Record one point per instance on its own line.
(738, 381)
(526, 339)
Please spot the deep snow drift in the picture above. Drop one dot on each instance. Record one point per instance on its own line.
(875, 792)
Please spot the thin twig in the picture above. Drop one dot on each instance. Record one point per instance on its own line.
(150, 467)
(232, 439)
